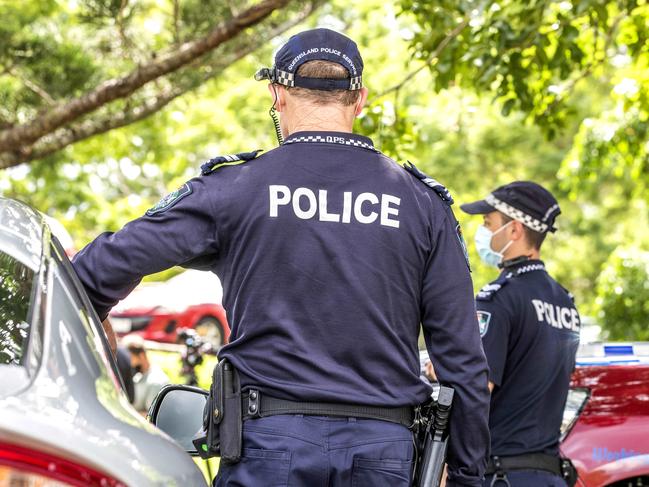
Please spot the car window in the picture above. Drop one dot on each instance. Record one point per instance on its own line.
(16, 286)
(82, 304)
(81, 352)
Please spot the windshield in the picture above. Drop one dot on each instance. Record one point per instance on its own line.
(16, 282)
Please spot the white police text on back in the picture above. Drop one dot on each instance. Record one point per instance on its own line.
(307, 204)
(556, 316)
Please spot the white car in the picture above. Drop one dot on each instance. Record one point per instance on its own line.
(64, 418)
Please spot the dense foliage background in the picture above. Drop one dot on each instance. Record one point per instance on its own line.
(476, 93)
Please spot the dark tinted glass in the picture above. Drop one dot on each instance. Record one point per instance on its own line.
(16, 282)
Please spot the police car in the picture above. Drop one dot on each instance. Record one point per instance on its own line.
(605, 428)
(606, 420)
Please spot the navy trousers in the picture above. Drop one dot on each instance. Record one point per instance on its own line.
(315, 451)
(527, 478)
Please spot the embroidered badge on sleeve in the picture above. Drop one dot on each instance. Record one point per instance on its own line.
(171, 199)
(484, 317)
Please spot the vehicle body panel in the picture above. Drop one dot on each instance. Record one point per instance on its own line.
(71, 403)
(162, 324)
(610, 440)
(157, 310)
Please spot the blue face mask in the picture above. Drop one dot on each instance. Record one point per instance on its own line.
(483, 244)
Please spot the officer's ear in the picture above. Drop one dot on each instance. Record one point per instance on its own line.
(517, 231)
(278, 94)
(362, 98)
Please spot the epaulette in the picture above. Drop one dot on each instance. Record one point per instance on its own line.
(487, 292)
(570, 295)
(229, 160)
(433, 184)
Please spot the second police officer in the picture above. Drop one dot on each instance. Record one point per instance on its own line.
(331, 257)
(530, 333)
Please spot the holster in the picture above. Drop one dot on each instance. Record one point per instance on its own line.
(222, 419)
(431, 433)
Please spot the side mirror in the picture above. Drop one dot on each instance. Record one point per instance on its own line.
(178, 411)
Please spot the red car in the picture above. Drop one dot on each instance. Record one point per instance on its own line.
(606, 419)
(189, 300)
(605, 430)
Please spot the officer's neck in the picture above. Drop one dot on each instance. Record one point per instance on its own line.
(320, 119)
(520, 248)
(528, 253)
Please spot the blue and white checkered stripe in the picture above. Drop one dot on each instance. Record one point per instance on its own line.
(529, 268)
(288, 79)
(356, 83)
(285, 78)
(527, 220)
(525, 269)
(331, 140)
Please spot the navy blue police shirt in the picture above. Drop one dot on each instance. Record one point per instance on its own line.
(530, 333)
(330, 255)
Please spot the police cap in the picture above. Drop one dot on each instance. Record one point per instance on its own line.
(311, 45)
(525, 201)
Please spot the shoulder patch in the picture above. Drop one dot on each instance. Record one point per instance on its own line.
(433, 184)
(228, 160)
(488, 292)
(171, 199)
(484, 317)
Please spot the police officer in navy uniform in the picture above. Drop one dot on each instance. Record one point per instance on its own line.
(331, 256)
(530, 333)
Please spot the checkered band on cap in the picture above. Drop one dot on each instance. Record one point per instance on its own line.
(527, 220)
(288, 79)
(334, 140)
(356, 83)
(285, 78)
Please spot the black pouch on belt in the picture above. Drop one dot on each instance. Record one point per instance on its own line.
(221, 435)
(207, 441)
(229, 404)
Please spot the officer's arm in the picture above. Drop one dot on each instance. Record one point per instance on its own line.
(453, 342)
(175, 234)
(108, 329)
(495, 329)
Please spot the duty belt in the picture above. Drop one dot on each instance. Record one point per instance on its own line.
(258, 405)
(530, 461)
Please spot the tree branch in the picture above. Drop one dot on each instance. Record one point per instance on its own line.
(588, 70)
(21, 135)
(431, 57)
(70, 135)
(33, 86)
(63, 137)
(126, 43)
(176, 22)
